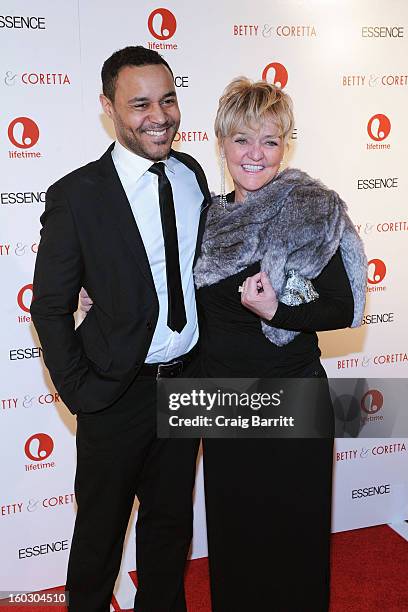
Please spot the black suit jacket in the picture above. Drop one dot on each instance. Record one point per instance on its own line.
(90, 239)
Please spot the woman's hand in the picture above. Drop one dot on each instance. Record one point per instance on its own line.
(85, 302)
(259, 296)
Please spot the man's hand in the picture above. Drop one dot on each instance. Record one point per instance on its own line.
(259, 296)
(85, 302)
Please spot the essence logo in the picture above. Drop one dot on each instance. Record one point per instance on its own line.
(372, 401)
(39, 447)
(42, 549)
(181, 81)
(20, 197)
(382, 31)
(384, 489)
(162, 25)
(379, 127)
(280, 78)
(23, 133)
(20, 23)
(31, 352)
(383, 317)
(376, 274)
(378, 183)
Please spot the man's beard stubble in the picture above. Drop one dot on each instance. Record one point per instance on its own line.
(155, 152)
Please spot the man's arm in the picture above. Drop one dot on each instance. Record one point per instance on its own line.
(57, 281)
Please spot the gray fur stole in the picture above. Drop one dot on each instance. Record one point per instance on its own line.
(292, 223)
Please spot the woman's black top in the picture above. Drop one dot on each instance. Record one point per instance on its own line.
(232, 339)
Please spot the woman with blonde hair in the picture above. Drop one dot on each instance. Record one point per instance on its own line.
(280, 260)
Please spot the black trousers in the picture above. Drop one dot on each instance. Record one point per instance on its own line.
(118, 457)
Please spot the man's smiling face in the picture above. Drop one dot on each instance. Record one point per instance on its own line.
(144, 111)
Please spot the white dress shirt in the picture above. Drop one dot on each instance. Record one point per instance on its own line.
(141, 188)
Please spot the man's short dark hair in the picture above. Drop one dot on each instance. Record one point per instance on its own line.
(129, 56)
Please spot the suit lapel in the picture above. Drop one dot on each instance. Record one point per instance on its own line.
(200, 233)
(191, 163)
(120, 213)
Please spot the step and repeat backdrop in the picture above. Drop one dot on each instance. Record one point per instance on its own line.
(344, 64)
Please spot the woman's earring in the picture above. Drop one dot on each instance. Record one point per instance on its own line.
(223, 198)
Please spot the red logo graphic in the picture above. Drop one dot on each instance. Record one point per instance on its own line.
(379, 127)
(39, 446)
(376, 271)
(162, 24)
(114, 602)
(372, 401)
(23, 300)
(23, 132)
(281, 74)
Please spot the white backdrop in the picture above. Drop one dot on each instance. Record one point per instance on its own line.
(344, 64)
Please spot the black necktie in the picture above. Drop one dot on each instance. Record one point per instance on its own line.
(176, 312)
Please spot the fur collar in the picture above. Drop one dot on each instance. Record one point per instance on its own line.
(294, 222)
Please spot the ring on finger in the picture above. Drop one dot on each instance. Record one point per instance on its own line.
(241, 288)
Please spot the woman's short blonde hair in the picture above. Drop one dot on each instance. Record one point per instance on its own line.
(247, 103)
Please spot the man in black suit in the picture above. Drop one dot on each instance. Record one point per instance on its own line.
(126, 228)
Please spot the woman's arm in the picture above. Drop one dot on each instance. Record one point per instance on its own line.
(333, 309)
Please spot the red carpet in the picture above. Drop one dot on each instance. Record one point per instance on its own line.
(369, 574)
(369, 571)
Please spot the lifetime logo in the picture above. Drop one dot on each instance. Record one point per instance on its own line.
(23, 133)
(24, 299)
(379, 127)
(280, 78)
(376, 271)
(162, 24)
(372, 401)
(39, 447)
